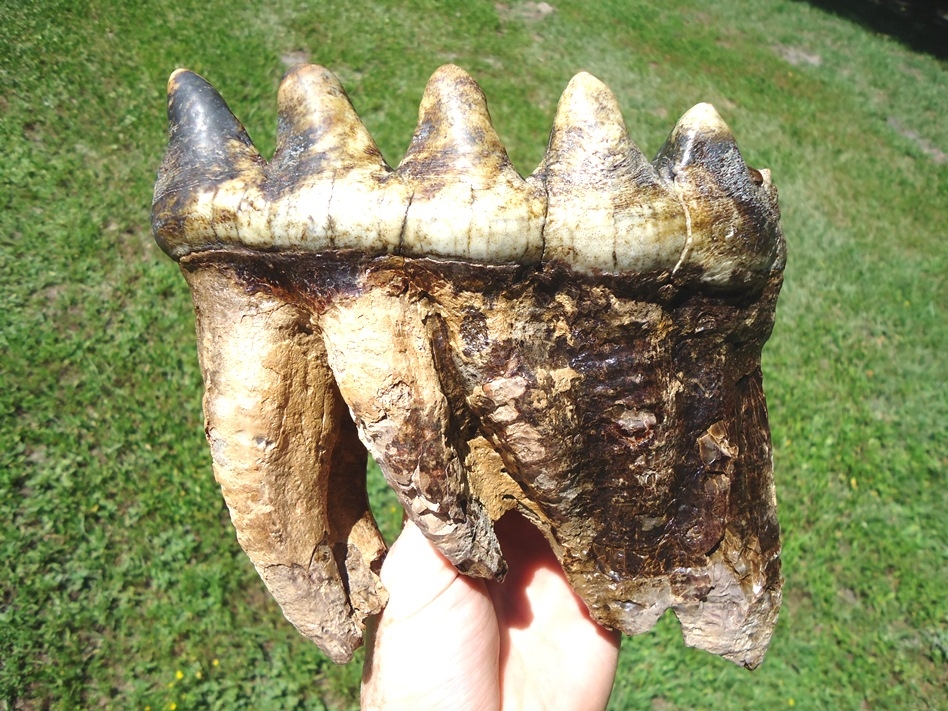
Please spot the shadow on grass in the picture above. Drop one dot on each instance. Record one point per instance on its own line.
(921, 25)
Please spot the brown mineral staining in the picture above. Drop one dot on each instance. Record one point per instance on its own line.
(583, 346)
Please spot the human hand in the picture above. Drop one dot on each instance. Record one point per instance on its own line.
(446, 641)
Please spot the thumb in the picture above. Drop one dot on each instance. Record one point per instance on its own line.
(436, 645)
(414, 573)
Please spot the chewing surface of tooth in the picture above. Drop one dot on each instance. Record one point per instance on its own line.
(330, 186)
(733, 223)
(210, 186)
(582, 346)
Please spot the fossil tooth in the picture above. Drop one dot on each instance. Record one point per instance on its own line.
(582, 346)
(734, 235)
(329, 183)
(208, 189)
(456, 158)
(608, 209)
(286, 455)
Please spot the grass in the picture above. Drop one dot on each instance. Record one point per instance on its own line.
(124, 586)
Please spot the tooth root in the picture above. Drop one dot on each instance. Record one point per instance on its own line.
(330, 185)
(607, 208)
(211, 170)
(386, 372)
(468, 202)
(735, 233)
(289, 465)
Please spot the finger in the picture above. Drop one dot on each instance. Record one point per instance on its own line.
(553, 654)
(414, 573)
(436, 644)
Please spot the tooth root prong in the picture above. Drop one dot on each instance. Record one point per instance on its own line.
(388, 377)
(607, 208)
(286, 458)
(457, 159)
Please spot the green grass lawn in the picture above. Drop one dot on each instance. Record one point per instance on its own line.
(123, 586)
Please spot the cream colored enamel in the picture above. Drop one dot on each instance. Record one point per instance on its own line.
(608, 209)
(467, 202)
(594, 202)
(498, 225)
(343, 195)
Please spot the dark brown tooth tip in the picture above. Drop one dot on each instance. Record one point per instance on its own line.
(735, 234)
(207, 147)
(201, 123)
(318, 127)
(702, 139)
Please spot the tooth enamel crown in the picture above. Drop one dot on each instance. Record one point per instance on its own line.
(594, 203)
(582, 346)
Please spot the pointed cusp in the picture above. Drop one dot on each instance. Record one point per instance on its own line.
(467, 201)
(318, 128)
(210, 168)
(608, 210)
(454, 136)
(735, 237)
(589, 133)
(328, 183)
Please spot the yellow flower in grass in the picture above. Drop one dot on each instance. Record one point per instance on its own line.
(179, 675)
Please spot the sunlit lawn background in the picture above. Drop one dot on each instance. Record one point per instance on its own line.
(122, 584)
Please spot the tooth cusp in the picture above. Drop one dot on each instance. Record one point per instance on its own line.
(211, 173)
(734, 239)
(594, 203)
(467, 201)
(608, 210)
(328, 183)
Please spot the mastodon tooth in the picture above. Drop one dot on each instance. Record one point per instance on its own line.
(608, 210)
(208, 192)
(467, 201)
(610, 390)
(734, 235)
(329, 185)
